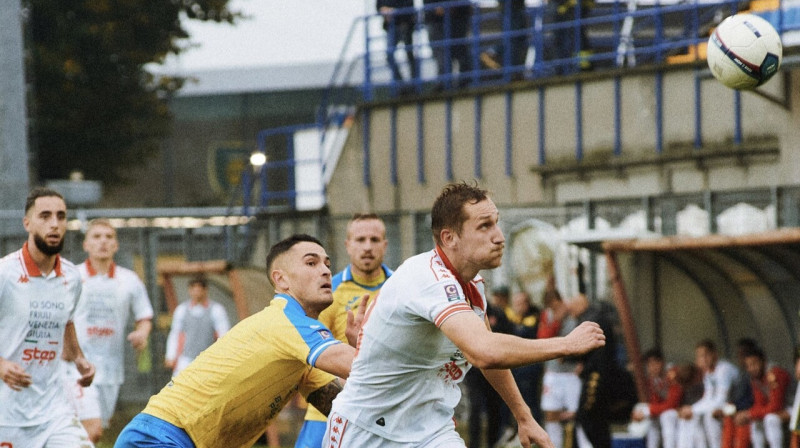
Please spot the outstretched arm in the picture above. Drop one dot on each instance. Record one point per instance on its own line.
(336, 360)
(323, 397)
(487, 350)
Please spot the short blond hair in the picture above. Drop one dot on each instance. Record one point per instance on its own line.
(101, 222)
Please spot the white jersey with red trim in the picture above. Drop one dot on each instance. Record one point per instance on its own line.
(34, 310)
(102, 315)
(403, 383)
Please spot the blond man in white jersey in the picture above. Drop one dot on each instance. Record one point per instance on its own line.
(425, 330)
(111, 294)
(38, 294)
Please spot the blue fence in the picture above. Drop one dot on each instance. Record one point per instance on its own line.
(513, 42)
(457, 45)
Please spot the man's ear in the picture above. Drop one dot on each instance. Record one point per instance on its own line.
(278, 277)
(447, 237)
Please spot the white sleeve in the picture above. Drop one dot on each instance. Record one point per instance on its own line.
(438, 300)
(220, 318)
(174, 333)
(142, 309)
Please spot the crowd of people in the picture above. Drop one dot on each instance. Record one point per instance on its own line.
(378, 355)
(716, 403)
(457, 51)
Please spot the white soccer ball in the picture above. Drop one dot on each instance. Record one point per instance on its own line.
(744, 51)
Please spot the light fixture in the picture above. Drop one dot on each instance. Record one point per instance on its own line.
(258, 159)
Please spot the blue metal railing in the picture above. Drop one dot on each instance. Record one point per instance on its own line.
(617, 33)
(656, 30)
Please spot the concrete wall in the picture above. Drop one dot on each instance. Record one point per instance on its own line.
(767, 156)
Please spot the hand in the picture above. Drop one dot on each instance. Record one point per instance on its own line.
(169, 363)
(386, 12)
(584, 338)
(14, 375)
(86, 370)
(354, 321)
(565, 416)
(531, 434)
(685, 412)
(741, 418)
(138, 340)
(637, 415)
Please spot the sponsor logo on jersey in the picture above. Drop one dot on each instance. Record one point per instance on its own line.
(99, 331)
(451, 291)
(34, 354)
(324, 334)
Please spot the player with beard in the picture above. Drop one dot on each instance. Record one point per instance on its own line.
(366, 244)
(39, 291)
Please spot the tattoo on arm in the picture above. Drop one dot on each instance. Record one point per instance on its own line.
(322, 397)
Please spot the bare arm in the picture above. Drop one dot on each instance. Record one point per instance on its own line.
(14, 375)
(336, 360)
(73, 352)
(138, 337)
(529, 430)
(323, 397)
(487, 350)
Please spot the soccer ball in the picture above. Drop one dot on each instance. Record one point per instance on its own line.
(744, 51)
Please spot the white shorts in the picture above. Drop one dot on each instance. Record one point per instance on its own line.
(97, 401)
(561, 391)
(62, 432)
(341, 433)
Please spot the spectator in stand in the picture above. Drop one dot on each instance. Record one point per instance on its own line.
(512, 50)
(664, 397)
(565, 37)
(794, 418)
(561, 386)
(196, 324)
(740, 399)
(483, 399)
(399, 20)
(446, 24)
(766, 417)
(697, 426)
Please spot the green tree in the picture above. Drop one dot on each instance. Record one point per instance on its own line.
(93, 105)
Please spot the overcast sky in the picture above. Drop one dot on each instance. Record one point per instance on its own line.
(280, 32)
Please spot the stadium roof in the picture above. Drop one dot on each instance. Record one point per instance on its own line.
(253, 79)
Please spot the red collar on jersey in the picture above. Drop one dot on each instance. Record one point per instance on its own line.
(473, 295)
(92, 271)
(31, 267)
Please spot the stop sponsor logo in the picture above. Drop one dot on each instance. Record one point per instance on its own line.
(34, 354)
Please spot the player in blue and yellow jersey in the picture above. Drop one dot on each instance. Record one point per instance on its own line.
(366, 245)
(227, 395)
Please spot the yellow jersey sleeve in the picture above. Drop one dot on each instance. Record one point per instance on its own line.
(232, 389)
